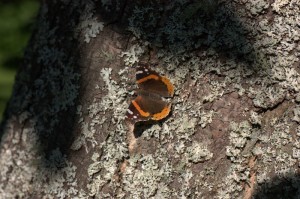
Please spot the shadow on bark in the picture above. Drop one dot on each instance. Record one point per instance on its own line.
(142, 126)
(279, 187)
(46, 88)
(187, 26)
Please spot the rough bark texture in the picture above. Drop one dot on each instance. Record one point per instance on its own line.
(234, 128)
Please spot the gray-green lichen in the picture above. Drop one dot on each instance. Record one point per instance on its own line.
(89, 23)
(132, 55)
(255, 118)
(53, 177)
(198, 153)
(151, 179)
(103, 167)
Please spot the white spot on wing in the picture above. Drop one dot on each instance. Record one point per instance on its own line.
(129, 111)
(139, 72)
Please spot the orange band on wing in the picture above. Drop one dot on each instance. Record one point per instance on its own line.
(169, 85)
(147, 78)
(144, 114)
(164, 113)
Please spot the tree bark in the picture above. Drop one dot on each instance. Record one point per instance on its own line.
(234, 127)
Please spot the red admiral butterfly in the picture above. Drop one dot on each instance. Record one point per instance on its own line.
(149, 104)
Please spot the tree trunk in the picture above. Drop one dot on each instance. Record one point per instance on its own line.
(233, 131)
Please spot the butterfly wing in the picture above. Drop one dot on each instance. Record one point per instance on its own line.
(151, 81)
(143, 108)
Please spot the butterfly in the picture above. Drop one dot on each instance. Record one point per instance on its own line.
(150, 103)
